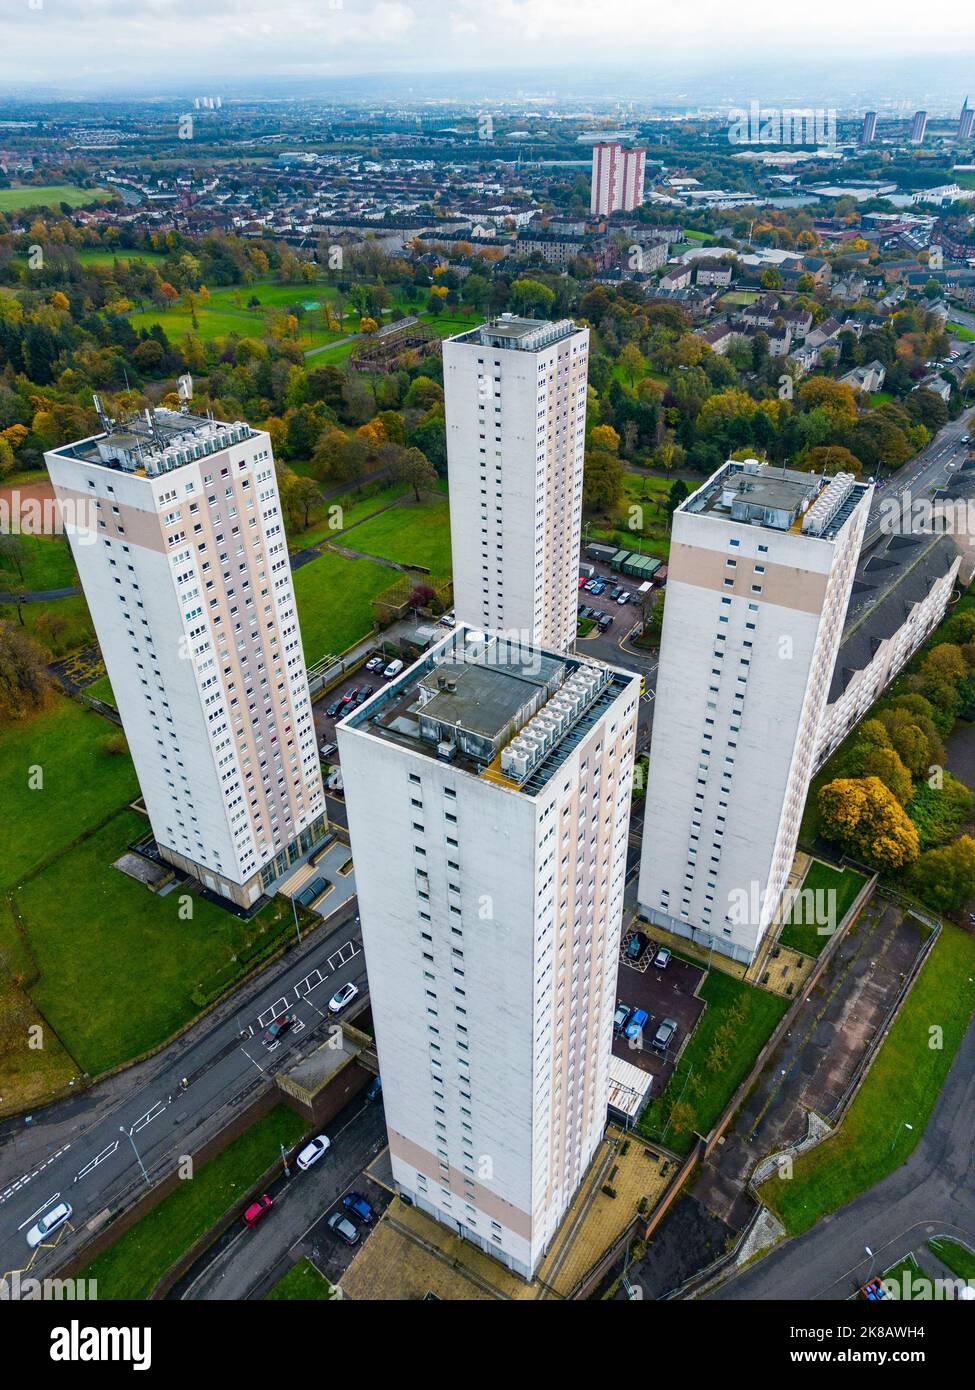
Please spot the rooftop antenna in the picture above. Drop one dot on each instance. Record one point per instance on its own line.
(108, 424)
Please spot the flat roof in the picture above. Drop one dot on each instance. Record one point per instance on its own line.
(512, 331)
(155, 442)
(778, 499)
(486, 690)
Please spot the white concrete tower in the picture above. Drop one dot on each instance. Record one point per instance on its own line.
(515, 395)
(761, 566)
(488, 790)
(176, 530)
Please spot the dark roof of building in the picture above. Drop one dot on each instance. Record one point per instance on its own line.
(891, 579)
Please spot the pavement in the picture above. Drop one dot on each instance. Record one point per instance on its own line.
(246, 1263)
(92, 1149)
(932, 1193)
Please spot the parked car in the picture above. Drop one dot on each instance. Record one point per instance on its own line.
(616, 591)
(48, 1224)
(257, 1210)
(393, 669)
(277, 1028)
(375, 1088)
(664, 1035)
(313, 1151)
(349, 697)
(605, 620)
(583, 581)
(638, 1020)
(447, 620)
(364, 692)
(621, 1017)
(357, 1204)
(342, 997)
(624, 597)
(585, 611)
(343, 1228)
(599, 589)
(329, 749)
(374, 663)
(636, 945)
(335, 708)
(662, 959)
(590, 584)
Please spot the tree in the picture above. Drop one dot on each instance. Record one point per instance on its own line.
(24, 683)
(632, 363)
(679, 491)
(415, 469)
(602, 482)
(945, 877)
(869, 823)
(605, 437)
(531, 297)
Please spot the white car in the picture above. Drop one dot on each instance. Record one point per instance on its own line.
(341, 997)
(448, 620)
(313, 1151)
(393, 669)
(48, 1223)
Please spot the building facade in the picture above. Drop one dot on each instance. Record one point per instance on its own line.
(919, 125)
(176, 530)
(515, 400)
(488, 791)
(868, 132)
(617, 179)
(760, 571)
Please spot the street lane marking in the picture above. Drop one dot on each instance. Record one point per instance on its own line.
(93, 1163)
(151, 1114)
(29, 1177)
(42, 1208)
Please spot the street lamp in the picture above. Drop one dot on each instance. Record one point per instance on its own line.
(138, 1157)
(897, 1133)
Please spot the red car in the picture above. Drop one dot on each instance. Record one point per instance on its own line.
(582, 581)
(257, 1209)
(278, 1028)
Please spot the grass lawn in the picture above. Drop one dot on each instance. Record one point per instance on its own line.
(832, 890)
(584, 626)
(302, 1283)
(46, 564)
(102, 690)
(900, 1088)
(334, 597)
(959, 1259)
(879, 398)
(133, 1266)
(118, 965)
(275, 295)
(60, 625)
(338, 353)
(960, 331)
(707, 1092)
(344, 511)
(96, 255)
(81, 782)
(411, 533)
(220, 323)
(50, 195)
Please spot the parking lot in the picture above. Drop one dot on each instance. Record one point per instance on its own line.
(662, 993)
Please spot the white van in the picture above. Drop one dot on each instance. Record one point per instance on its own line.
(393, 669)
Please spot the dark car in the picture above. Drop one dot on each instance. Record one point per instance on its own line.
(334, 708)
(343, 1228)
(375, 1088)
(357, 1204)
(364, 692)
(277, 1029)
(616, 591)
(257, 1210)
(636, 945)
(605, 621)
(621, 1017)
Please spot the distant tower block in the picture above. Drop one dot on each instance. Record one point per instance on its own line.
(869, 132)
(617, 179)
(966, 121)
(919, 126)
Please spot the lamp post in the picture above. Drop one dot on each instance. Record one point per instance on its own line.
(138, 1156)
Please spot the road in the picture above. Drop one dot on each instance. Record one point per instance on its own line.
(922, 475)
(90, 1151)
(245, 1263)
(932, 1193)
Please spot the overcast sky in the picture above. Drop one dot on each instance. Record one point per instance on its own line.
(86, 42)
